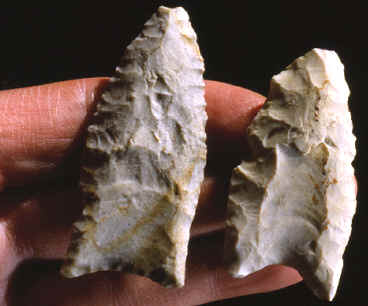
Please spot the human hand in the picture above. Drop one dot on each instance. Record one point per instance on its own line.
(40, 140)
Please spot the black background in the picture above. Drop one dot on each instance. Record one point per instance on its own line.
(243, 43)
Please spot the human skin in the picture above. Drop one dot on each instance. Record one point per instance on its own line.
(41, 132)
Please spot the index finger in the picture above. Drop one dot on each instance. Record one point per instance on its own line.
(40, 126)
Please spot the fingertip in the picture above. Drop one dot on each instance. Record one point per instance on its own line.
(230, 110)
(269, 279)
(275, 277)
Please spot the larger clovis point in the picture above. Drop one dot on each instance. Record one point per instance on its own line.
(144, 158)
(294, 201)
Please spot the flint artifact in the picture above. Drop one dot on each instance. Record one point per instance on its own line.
(144, 158)
(293, 201)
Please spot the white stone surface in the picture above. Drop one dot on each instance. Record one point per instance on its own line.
(293, 202)
(145, 156)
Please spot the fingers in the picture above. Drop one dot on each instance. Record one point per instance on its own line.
(45, 132)
(39, 228)
(40, 126)
(207, 281)
(36, 225)
(210, 281)
(211, 210)
(230, 110)
(33, 226)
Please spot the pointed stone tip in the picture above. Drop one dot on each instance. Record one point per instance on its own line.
(324, 53)
(164, 9)
(326, 291)
(179, 11)
(329, 57)
(323, 67)
(333, 69)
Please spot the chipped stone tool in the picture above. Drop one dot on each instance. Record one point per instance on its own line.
(293, 202)
(144, 158)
